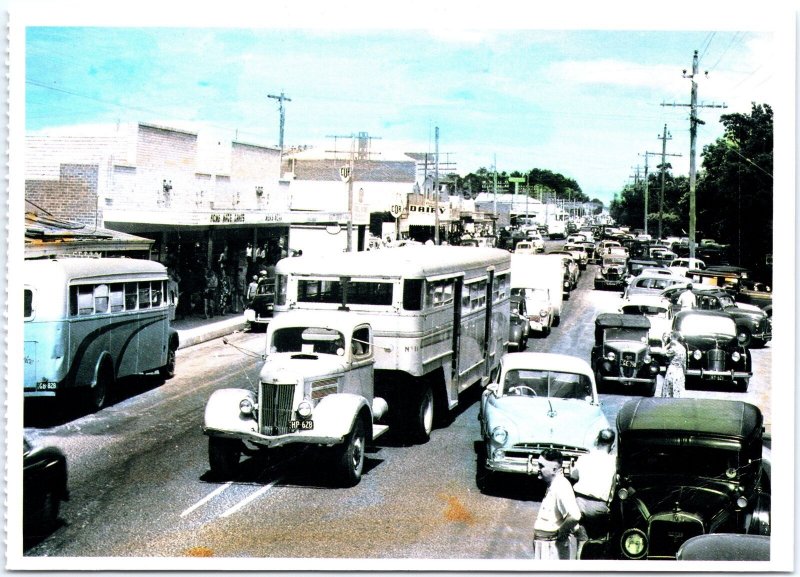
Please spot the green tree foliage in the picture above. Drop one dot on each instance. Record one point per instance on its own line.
(536, 179)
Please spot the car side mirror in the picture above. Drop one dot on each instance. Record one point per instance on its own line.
(494, 388)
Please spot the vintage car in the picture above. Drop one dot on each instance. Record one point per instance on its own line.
(752, 324)
(611, 273)
(539, 309)
(714, 352)
(44, 487)
(316, 388)
(537, 401)
(652, 283)
(686, 467)
(525, 247)
(518, 324)
(258, 311)
(572, 271)
(621, 357)
(680, 266)
(637, 266)
(725, 547)
(534, 237)
(659, 312)
(578, 252)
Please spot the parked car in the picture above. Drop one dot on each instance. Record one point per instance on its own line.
(537, 401)
(44, 487)
(687, 467)
(538, 307)
(258, 311)
(713, 351)
(621, 357)
(611, 272)
(658, 311)
(752, 324)
(755, 293)
(518, 325)
(652, 283)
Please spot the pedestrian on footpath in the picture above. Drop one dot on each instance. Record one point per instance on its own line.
(675, 378)
(558, 513)
(210, 292)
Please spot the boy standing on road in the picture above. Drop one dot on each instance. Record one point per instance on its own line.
(558, 513)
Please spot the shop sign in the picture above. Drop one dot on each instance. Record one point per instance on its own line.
(227, 217)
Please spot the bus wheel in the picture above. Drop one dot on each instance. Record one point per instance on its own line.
(350, 456)
(223, 457)
(98, 394)
(168, 370)
(422, 416)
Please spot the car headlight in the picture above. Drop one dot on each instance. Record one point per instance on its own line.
(634, 543)
(499, 435)
(246, 406)
(647, 359)
(543, 313)
(697, 354)
(741, 502)
(611, 356)
(304, 409)
(735, 356)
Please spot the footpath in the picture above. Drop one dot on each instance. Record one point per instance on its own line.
(194, 330)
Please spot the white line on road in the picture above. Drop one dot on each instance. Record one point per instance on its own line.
(252, 497)
(207, 498)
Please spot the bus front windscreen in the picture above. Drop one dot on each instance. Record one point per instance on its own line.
(358, 292)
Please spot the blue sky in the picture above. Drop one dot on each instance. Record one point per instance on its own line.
(584, 102)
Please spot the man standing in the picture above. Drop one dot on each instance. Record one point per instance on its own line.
(594, 473)
(558, 513)
(687, 300)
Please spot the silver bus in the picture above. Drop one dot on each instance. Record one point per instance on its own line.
(91, 321)
(440, 316)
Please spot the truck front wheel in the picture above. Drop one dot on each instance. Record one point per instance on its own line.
(223, 457)
(350, 457)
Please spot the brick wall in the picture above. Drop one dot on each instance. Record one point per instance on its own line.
(73, 197)
(165, 148)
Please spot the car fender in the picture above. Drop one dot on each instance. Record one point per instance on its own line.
(335, 414)
(222, 412)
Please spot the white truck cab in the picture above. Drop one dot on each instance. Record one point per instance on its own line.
(315, 388)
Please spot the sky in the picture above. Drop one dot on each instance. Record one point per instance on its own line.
(515, 93)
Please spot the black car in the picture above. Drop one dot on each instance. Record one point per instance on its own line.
(260, 308)
(714, 352)
(686, 467)
(44, 488)
(611, 273)
(518, 325)
(621, 357)
(753, 324)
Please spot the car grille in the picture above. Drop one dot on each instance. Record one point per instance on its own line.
(275, 408)
(628, 364)
(668, 533)
(716, 360)
(535, 449)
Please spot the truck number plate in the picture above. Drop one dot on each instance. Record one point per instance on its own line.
(46, 386)
(297, 425)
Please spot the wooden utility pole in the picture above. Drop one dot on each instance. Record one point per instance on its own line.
(436, 190)
(281, 99)
(693, 122)
(664, 137)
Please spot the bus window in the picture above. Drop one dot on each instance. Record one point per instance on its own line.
(501, 283)
(28, 304)
(101, 298)
(131, 296)
(81, 300)
(412, 294)
(144, 295)
(358, 293)
(117, 297)
(156, 293)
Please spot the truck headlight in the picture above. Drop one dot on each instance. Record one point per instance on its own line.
(499, 435)
(634, 543)
(304, 409)
(246, 406)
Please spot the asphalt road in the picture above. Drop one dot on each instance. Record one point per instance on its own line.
(140, 482)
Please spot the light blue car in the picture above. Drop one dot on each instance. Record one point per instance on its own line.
(538, 401)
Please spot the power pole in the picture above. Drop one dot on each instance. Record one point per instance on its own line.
(693, 122)
(436, 190)
(281, 99)
(664, 137)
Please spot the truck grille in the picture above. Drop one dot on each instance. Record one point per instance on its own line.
(275, 404)
(716, 360)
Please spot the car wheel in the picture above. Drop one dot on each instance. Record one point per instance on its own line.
(350, 457)
(42, 519)
(168, 370)
(223, 457)
(741, 385)
(524, 342)
(745, 336)
(483, 476)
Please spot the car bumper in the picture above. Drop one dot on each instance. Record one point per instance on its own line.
(627, 380)
(257, 440)
(718, 375)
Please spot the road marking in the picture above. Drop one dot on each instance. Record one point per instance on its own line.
(252, 497)
(207, 498)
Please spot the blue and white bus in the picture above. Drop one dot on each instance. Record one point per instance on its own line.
(440, 316)
(91, 321)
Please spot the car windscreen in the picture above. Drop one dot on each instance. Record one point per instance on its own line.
(555, 384)
(646, 310)
(613, 262)
(626, 334)
(676, 458)
(307, 340)
(699, 325)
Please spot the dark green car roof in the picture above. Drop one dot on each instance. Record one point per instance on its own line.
(667, 416)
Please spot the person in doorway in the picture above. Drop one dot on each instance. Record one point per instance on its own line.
(210, 292)
(687, 299)
(675, 378)
(594, 474)
(558, 513)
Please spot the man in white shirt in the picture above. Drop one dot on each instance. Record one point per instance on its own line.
(558, 514)
(687, 300)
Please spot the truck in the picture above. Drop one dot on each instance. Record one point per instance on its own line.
(315, 388)
(540, 272)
